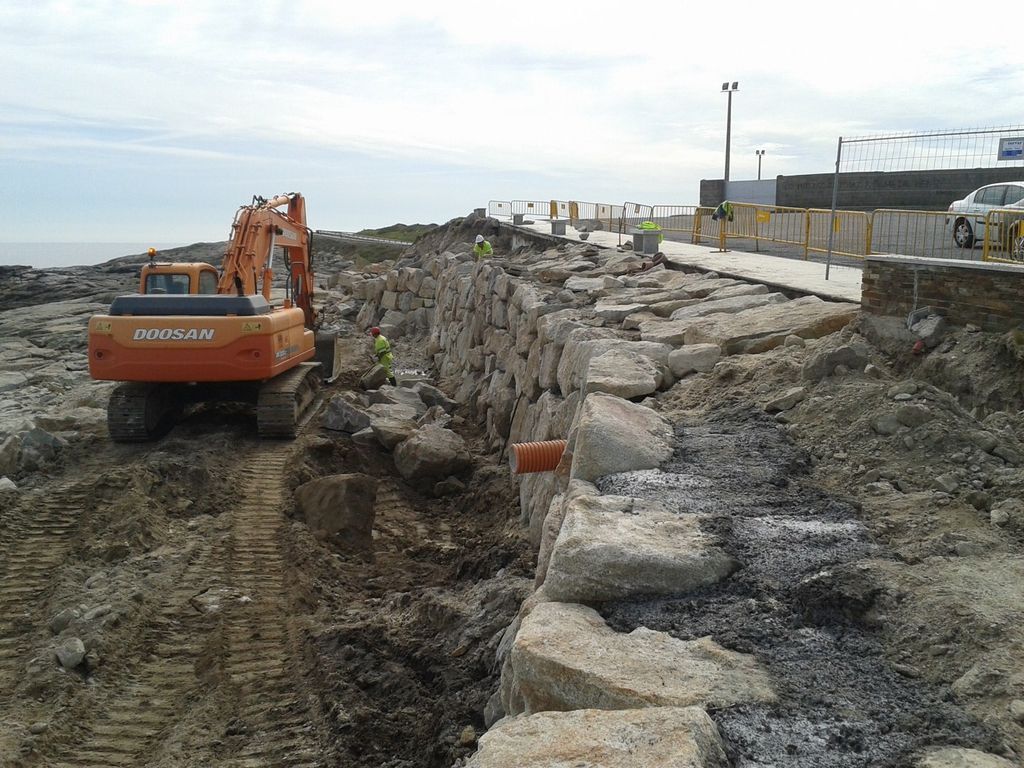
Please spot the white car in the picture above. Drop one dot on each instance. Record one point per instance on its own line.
(968, 227)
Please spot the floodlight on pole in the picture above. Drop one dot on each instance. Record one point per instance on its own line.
(728, 88)
(760, 154)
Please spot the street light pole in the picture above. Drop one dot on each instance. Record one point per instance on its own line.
(760, 154)
(728, 88)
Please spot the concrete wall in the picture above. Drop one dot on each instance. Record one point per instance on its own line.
(758, 192)
(990, 296)
(916, 190)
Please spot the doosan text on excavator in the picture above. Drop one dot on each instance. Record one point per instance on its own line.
(194, 333)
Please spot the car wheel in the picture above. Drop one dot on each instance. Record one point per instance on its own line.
(963, 235)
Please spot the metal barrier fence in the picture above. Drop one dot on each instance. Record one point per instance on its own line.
(610, 214)
(1003, 239)
(787, 231)
(851, 232)
(914, 233)
(499, 208)
(633, 214)
(606, 215)
(674, 218)
(762, 224)
(603, 215)
(533, 207)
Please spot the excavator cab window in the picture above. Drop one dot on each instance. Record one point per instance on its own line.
(167, 283)
(207, 281)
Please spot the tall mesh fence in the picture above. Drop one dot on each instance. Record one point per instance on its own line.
(958, 227)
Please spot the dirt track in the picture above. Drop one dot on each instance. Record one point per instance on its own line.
(218, 631)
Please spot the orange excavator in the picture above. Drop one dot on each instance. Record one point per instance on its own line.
(195, 334)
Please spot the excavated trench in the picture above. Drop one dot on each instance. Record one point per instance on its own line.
(802, 604)
(400, 646)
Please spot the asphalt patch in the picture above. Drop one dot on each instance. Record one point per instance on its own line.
(801, 604)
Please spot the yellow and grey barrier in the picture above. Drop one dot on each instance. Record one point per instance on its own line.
(1003, 238)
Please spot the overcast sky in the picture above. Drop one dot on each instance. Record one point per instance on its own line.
(146, 120)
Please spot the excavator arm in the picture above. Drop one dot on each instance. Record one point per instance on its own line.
(248, 264)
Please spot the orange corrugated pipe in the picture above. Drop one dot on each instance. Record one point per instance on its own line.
(536, 457)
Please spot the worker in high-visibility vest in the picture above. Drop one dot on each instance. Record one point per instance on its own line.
(651, 226)
(481, 248)
(382, 351)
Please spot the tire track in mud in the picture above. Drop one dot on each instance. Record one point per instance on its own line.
(235, 659)
(261, 644)
(137, 709)
(37, 537)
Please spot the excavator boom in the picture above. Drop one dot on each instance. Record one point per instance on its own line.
(257, 230)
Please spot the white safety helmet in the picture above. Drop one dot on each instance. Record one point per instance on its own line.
(479, 238)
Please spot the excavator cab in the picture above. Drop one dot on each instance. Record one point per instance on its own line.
(167, 278)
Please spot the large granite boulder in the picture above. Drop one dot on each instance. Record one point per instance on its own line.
(669, 332)
(707, 285)
(388, 395)
(343, 416)
(959, 757)
(615, 435)
(616, 312)
(743, 289)
(565, 657)
(390, 432)
(431, 452)
(658, 737)
(694, 358)
(582, 347)
(432, 396)
(763, 328)
(339, 507)
(617, 547)
(727, 305)
(622, 373)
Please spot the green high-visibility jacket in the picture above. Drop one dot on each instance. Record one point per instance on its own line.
(482, 250)
(382, 349)
(652, 226)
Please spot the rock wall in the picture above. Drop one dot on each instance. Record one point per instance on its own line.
(569, 343)
(400, 302)
(988, 295)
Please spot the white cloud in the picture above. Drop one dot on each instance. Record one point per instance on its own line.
(567, 91)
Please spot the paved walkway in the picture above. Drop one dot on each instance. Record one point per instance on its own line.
(774, 271)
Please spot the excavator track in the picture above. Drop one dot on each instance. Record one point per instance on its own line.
(37, 536)
(133, 723)
(139, 411)
(285, 399)
(257, 662)
(261, 644)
